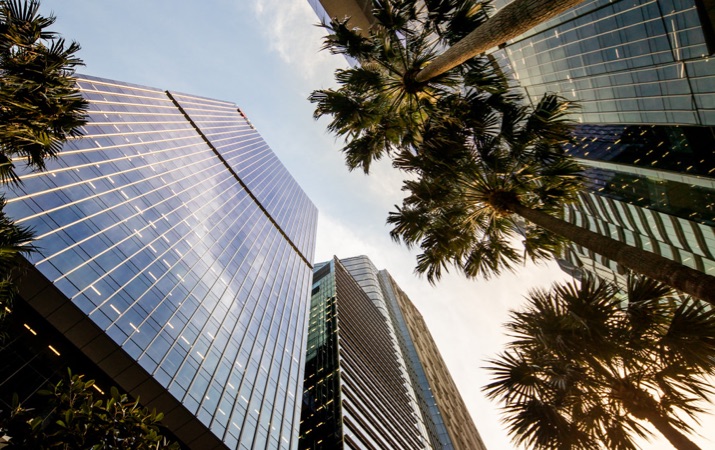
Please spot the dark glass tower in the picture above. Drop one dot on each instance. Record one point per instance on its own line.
(356, 392)
(175, 253)
(652, 187)
(374, 377)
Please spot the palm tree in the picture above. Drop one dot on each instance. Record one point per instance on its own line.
(584, 367)
(485, 176)
(514, 19)
(379, 108)
(14, 241)
(40, 108)
(40, 104)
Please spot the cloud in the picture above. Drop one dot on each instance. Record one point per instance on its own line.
(290, 32)
(335, 237)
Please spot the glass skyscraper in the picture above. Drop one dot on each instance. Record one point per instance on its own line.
(625, 62)
(652, 187)
(374, 377)
(175, 251)
(644, 78)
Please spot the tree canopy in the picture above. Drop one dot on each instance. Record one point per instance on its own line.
(40, 104)
(587, 366)
(486, 168)
(76, 415)
(379, 108)
(40, 108)
(468, 169)
(14, 240)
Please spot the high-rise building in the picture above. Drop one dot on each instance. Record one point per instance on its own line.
(374, 377)
(643, 76)
(446, 414)
(357, 393)
(652, 187)
(175, 252)
(625, 62)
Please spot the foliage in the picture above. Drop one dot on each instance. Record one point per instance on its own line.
(379, 108)
(76, 417)
(40, 105)
(585, 365)
(470, 168)
(466, 139)
(40, 108)
(14, 240)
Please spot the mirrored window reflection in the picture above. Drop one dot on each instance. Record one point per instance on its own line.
(142, 225)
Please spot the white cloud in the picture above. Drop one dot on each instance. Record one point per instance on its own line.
(290, 32)
(335, 237)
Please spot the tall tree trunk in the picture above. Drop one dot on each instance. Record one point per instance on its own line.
(643, 406)
(514, 19)
(674, 436)
(683, 278)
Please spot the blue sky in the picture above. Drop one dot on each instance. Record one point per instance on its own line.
(263, 55)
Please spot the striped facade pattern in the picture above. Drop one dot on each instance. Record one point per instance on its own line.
(174, 229)
(689, 242)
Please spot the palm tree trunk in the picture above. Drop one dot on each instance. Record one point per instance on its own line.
(675, 437)
(676, 275)
(514, 19)
(643, 406)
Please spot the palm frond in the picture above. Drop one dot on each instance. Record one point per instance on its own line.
(540, 244)
(490, 256)
(343, 40)
(583, 361)
(549, 121)
(14, 240)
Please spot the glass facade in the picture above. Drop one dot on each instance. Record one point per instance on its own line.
(669, 169)
(683, 149)
(434, 422)
(374, 378)
(649, 186)
(357, 393)
(321, 419)
(448, 421)
(175, 229)
(644, 78)
(625, 62)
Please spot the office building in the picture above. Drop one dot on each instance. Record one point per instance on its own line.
(644, 81)
(357, 392)
(374, 377)
(643, 76)
(625, 62)
(446, 414)
(175, 253)
(652, 187)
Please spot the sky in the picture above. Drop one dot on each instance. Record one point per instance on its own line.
(264, 56)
